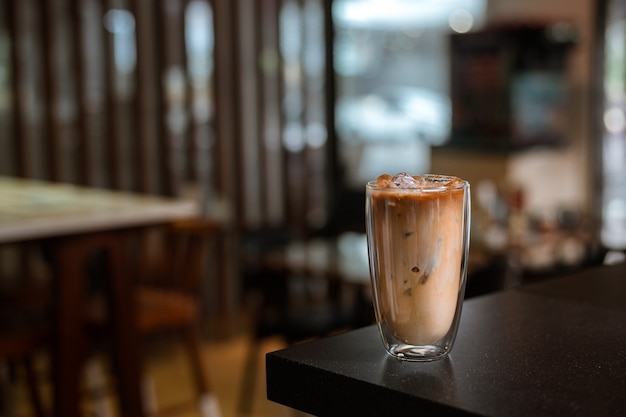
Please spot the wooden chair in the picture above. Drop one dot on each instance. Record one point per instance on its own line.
(167, 295)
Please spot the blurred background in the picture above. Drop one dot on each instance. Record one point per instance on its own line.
(272, 115)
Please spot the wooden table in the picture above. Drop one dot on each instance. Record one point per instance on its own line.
(71, 221)
(549, 349)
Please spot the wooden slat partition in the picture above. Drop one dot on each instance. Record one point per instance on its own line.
(103, 93)
(75, 115)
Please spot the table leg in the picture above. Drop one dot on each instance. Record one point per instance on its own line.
(127, 360)
(69, 337)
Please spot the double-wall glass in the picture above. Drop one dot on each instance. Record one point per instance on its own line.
(418, 241)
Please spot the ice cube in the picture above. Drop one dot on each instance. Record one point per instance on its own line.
(384, 180)
(427, 182)
(442, 181)
(404, 180)
(400, 180)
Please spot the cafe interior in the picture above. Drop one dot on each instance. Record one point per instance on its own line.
(182, 182)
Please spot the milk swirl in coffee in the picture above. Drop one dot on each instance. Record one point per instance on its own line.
(416, 238)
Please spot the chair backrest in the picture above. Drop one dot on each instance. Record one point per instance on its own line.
(24, 318)
(183, 254)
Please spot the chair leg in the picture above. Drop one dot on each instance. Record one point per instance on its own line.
(96, 383)
(33, 388)
(208, 403)
(148, 391)
(249, 377)
(209, 406)
(6, 403)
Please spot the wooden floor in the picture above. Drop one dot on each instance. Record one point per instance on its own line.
(168, 375)
(225, 362)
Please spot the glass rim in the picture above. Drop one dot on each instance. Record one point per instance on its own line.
(462, 184)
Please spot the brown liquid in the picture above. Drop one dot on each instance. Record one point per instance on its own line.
(418, 245)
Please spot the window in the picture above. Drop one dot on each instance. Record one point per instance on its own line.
(391, 67)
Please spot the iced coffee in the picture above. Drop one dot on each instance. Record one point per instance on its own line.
(417, 239)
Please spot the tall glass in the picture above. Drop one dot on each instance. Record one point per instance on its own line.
(418, 243)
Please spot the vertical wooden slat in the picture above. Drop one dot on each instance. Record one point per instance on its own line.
(126, 105)
(112, 175)
(309, 154)
(332, 173)
(271, 120)
(169, 58)
(33, 54)
(260, 75)
(199, 18)
(233, 149)
(175, 90)
(32, 86)
(12, 158)
(131, 146)
(314, 122)
(95, 91)
(189, 167)
(295, 152)
(249, 150)
(227, 134)
(120, 43)
(23, 163)
(225, 104)
(163, 183)
(6, 151)
(186, 164)
(110, 127)
(51, 143)
(165, 179)
(85, 164)
(68, 82)
(147, 89)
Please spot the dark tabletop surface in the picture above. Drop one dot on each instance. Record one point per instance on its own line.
(550, 349)
(601, 286)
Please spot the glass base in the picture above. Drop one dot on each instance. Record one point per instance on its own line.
(417, 353)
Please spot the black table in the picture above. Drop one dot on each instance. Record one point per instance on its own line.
(602, 286)
(556, 348)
